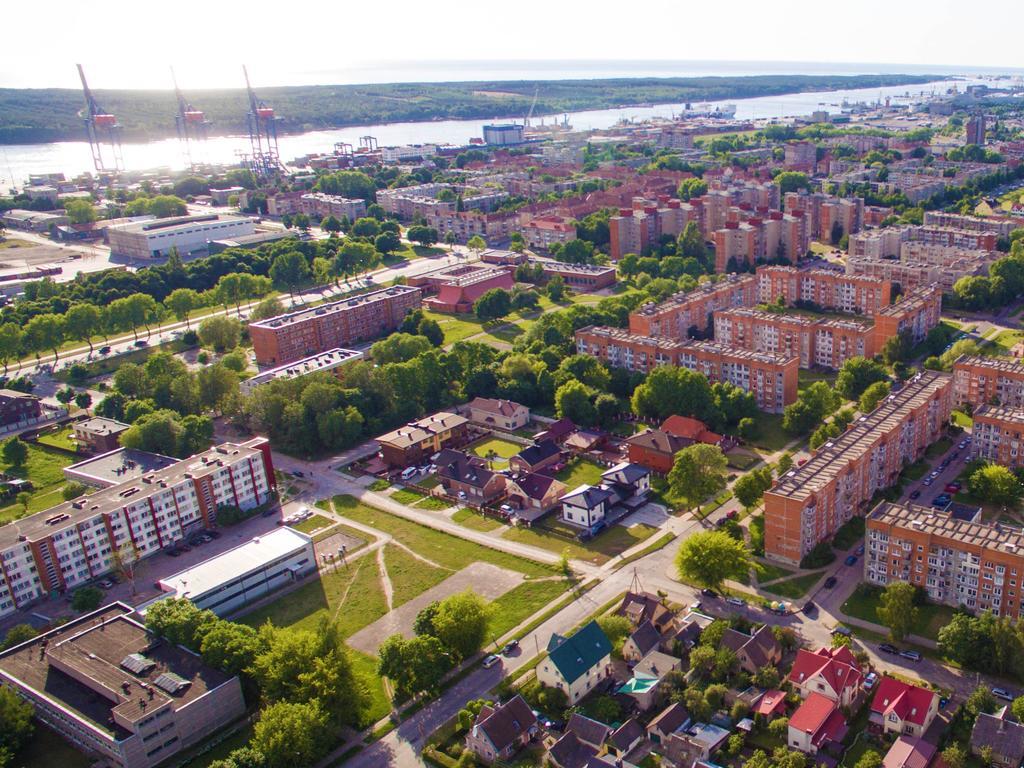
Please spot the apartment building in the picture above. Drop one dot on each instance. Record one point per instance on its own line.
(1001, 227)
(801, 156)
(541, 232)
(296, 335)
(493, 227)
(737, 245)
(920, 265)
(822, 212)
(888, 243)
(978, 380)
(682, 314)
(319, 205)
(827, 289)
(816, 341)
(637, 229)
(916, 313)
(71, 544)
(418, 440)
(120, 695)
(772, 379)
(997, 435)
(810, 503)
(747, 239)
(956, 558)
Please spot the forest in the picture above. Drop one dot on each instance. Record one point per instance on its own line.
(30, 116)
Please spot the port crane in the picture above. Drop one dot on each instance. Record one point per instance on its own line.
(102, 131)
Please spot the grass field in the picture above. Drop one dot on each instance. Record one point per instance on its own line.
(432, 502)
(1002, 343)
(862, 604)
(961, 419)
(316, 522)
(602, 548)
(408, 496)
(44, 468)
(770, 435)
(769, 571)
(503, 450)
(795, 587)
(467, 518)
(61, 439)
(580, 472)
(409, 575)
(515, 606)
(456, 327)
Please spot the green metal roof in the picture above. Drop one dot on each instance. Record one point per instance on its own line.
(573, 656)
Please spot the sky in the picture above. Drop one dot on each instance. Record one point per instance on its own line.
(124, 45)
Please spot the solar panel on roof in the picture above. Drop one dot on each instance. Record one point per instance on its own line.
(172, 683)
(137, 664)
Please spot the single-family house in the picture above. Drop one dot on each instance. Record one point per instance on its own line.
(418, 440)
(533, 494)
(575, 665)
(911, 752)
(570, 752)
(816, 724)
(698, 742)
(498, 414)
(98, 434)
(694, 430)
(557, 432)
(534, 458)
(902, 708)
(586, 506)
(685, 633)
(500, 731)
(832, 672)
(640, 607)
(623, 489)
(1003, 734)
(626, 738)
(645, 638)
(584, 441)
(673, 718)
(468, 477)
(754, 651)
(629, 480)
(655, 449)
(645, 685)
(772, 704)
(588, 730)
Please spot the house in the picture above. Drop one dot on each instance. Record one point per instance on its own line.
(575, 665)
(816, 724)
(640, 607)
(754, 651)
(499, 732)
(1002, 734)
(584, 441)
(698, 742)
(544, 454)
(687, 635)
(418, 440)
(588, 730)
(902, 708)
(18, 408)
(570, 752)
(623, 489)
(468, 477)
(98, 435)
(673, 718)
(533, 494)
(629, 480)
(694, 430)
(557, 432)
(645, 685)
(498, 414)
(586, 506)
(655, 449)
(910, 752)
(644, 639)
(832, 672)
(626, 738)
(772, 704)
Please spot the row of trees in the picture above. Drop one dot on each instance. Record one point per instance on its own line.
(1003, 284)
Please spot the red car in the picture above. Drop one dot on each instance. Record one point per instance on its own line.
(952, 487)
(801, 462)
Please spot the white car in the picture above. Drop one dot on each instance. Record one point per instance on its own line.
(734, 601)
(491, 660)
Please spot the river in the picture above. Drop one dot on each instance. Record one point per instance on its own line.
(17, 161)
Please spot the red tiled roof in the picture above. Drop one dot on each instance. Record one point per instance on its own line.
(908, 752)
(909, 703)
(770, 703)
(838, 668)
(684, 426)
(820, 718)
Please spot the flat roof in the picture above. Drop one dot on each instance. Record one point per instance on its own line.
(837, 454)
(674, 345)
(324, 361)
(1000, 413)
(1011, 365)
(334, 306)
(912, 301)
(177, 222)
(701, 291)
(121, 465)
(582, 269)
(254, 554)
(98, 425)
(1005, 538)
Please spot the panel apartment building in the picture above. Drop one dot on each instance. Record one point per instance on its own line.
(119, 694)
(810, 503)
(997, 435)
(921, 265)
(637, 229)
(747, 238)
(772, 379)
(916, 313)
(680, 313)
(75, 542)
(816, 341)
(978, 380)
(296, 335)
(957, 560)
(829, 290)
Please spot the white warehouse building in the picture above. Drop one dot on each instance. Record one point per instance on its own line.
(153, 239)
(235, 578)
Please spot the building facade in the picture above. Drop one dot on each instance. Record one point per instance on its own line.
(916, 313)
(188, 234)
(824, 288)
(684, 314)
(978, 380)
(996, 435)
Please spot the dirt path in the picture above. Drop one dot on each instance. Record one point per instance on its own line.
(385, 580)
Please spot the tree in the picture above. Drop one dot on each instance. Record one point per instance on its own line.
(413, 666)
(784, 464)
(15, 723)
(996, 484)
(616, 628)
(366, 227)
(330, 224)
(476, 244)
(23, 499)
(143, 310)
(1018, 708)
(217, 386)
(495, 303)
(525, 300)
(231, 647)
(791, 181)
(698, 471)
(431, 330)
(870, 759)
(691, 188)
(220, 332)
(387, 242)
(18, 634)
(577, 252)
(165, 206)
(749, 488)
(82, 322)
(856, 375)
(80, 211)
(873, 395)
(10, 342)
(291, 733)
(766, 677)
(556, 288)
(896, 609)
(269, 307)
(398, 348)
(425, 236)
(180, 621)
(44, 332)
(86, 599)
(710, 558)
(460, 623)
(812, 406)
(289, 271)
(355, 184)
(15, 451)
(573, 402)
(954, 756)
(73, 490)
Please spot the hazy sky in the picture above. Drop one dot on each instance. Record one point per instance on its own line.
(128, 45)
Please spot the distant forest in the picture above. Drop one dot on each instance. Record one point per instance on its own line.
(31, 116)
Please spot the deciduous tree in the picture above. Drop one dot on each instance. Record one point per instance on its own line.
(711, 557)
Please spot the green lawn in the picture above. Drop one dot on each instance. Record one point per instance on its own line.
(59, 439)
(770, 571)
(408, 496)
(502, 449)
(742, 459)
(456, 327)
(795, 587)
(315, 523)
(770, 435)
(467, 518)
(1002, 343)
(409, 575)
(602, 548)
(862, 604)
(807, 377)
(379, 485)
(515, 606)
(434, 503)
(580, 472)
(44, 468)
(961, 419)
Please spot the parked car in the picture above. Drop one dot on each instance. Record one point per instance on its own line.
(830, 582)
(860, 550)
(809, 608)
(104, 350)
(709, 592)
(870, 680)
(888, 648)
(510, 646)
(850, 560)
(734, 601)
(839, 629)
(732, 514)
(297, 473)
(141, 343)
(927, 481)
(1002, 693)
(915, 494)
(491, 660)
(941, 501)
(106, 584)
(912, 655)
(801, 462)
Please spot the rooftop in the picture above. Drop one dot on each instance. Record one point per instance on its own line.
(1009, 365)
(333, 307)
(580, 269)
(913, 301)
(179, 222)
(417, 431)
(665, 344)
(837, 454)
(98, 425)
(245, 558)
(729, 282)
(936, 522)
(118, 466)
(1000, 413)
(324, 361)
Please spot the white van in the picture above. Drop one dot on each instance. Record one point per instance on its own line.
(410, 473)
